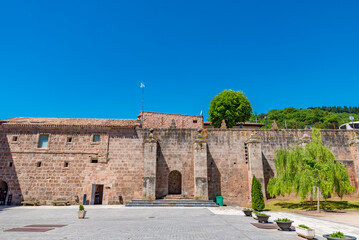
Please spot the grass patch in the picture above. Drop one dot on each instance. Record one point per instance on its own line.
(296, 204)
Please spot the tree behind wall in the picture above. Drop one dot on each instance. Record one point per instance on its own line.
(231, 106)
(257, 195)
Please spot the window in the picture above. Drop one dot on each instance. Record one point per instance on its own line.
(66, 164)
(10, 164)
(38, 164)
(69, 139)
(43, 141)
(14, 138)
(94, 160)
(96, 138)
(194, 121)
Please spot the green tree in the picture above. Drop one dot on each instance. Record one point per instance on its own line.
(301, 170)
(231, 106)
(257, 195)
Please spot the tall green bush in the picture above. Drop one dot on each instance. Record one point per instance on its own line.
(257, 195)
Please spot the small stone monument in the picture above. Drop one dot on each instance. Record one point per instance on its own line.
(223, 124)
(173, 124)
(274, 125)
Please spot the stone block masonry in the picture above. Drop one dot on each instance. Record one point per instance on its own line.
(136, 163)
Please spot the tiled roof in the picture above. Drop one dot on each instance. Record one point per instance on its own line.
(72, 121)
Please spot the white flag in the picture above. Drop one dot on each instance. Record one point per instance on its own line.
(142, 85)
(201, 113)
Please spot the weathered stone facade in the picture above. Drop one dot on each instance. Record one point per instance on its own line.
(135, 162)
(167, 120)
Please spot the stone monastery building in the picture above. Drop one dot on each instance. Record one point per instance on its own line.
(156, 155)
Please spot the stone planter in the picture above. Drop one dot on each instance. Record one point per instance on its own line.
(81, 214)
(263, 219)
(284, 225)
(306, 233)
(346, 237)
(248, 213)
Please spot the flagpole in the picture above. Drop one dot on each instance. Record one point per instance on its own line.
(143, 93)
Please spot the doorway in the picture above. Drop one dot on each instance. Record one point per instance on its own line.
(174, 182)
(3, 192)
(97, 194)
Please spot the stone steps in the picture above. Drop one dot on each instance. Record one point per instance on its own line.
(171, 203)
(174, 196)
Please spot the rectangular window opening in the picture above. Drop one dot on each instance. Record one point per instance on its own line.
(96, 138)
(194, 121)
(94, 160)
(14, 138)
(66, 164)
(69, 139)
(10, 164)
(43, 140)
(38, 164)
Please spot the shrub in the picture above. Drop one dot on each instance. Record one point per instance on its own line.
(337, 235)
(283, 220)
(304, 226)
(261, 214)
(81, 208)
(257, 195)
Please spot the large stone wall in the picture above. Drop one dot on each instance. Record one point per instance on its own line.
(119, 167)
(219, 161)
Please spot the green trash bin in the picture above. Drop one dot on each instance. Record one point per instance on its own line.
(219, 200)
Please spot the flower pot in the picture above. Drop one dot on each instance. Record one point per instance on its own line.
(248, 213)
(306, 233)
(263, 219)
(284, 225)
(346, 237)
(81, 214)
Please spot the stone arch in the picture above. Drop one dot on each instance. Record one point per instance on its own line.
(174, 182)
(3, 191)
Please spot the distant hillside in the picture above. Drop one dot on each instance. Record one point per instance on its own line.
(334, 109)
(320, 117)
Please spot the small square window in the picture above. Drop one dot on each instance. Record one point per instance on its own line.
(69, 139)
(96, 138)
(10, 164)
(94, 160)
(14, 138)
(194, 121)
(43, 141)
(66, 164)
(38, 164)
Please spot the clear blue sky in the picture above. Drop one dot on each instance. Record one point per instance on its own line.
(87, 58)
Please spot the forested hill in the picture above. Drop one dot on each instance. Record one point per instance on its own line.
(320, 117)
(344, 109)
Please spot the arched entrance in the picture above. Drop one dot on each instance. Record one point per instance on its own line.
(174, 182)
(3, 192)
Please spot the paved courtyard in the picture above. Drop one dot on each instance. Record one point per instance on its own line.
(118, 222)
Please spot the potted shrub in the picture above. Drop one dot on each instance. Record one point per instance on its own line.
(248, 212)
(81, 213)
(305, 231)
(284, 223)
(338, 236)
(262, 218)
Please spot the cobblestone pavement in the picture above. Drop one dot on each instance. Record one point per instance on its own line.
(115, 222)
(321, 226)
